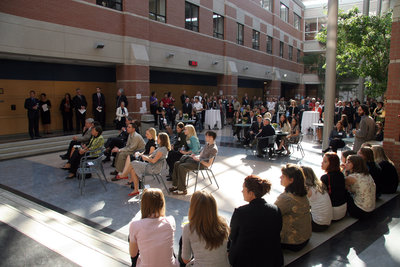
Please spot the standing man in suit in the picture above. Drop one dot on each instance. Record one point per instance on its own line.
(80, 106)
(187, 107)
(121, 98)
(99, 107)
(183, 97)
(367, 130)
(32, 106)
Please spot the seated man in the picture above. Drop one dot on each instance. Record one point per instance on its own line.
(182, 167)
(266, 130)
(135, 142)
(254, 129)
(175, 153)
(119, 141)
(80, 140)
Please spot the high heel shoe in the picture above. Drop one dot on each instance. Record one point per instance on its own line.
(133, 194)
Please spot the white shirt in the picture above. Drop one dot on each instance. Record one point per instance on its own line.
(321, 207)
(198, 106)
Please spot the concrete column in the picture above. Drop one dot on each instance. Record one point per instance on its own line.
(228, 84)
(391, 143)
(330, 78)
(135, 79)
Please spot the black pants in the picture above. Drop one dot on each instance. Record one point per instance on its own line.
(262, 144)
(33, 125)
(80, 120)
(336, 143)
(113, 142)
(353, 210)
(293, 247)
(67, 122)
(173, 156)
(71, 145)
(100, 117)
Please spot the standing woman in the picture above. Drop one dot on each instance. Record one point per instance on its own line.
(295, 209)
(293, 110)
(255, 228)
(153, 234)
(205, 237)
(45, 105)
(66, 111)
(334, 183)
(121, 113)
(361, 187)
(390, 177)
(320, 202)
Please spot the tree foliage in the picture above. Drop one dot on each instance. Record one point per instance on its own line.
(363, 47)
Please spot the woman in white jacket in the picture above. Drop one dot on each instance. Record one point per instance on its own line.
(122, 113)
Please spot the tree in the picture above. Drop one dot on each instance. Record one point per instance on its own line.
(363, 47)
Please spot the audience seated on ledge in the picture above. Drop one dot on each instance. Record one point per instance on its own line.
(255, 228)
(373, 168)
(295, 209)
(205, 237)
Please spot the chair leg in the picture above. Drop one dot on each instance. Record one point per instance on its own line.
(214, 179)
(159, 178)
(99, 174)
(102, 171)
(202, 174)
(195, 185)
(209, 177)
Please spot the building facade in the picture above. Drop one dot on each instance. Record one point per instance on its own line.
(223, 46)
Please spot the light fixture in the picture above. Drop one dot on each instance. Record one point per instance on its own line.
(215, 62)
(284, 75)
(245, 67)
(170, 55)
(99, 45)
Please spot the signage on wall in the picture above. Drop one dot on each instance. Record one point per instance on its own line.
(193, 63)
(138, 96)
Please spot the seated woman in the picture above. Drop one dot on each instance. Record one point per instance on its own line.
(137, 168)
(335, 138)
(255, 228)
(292, 138)
(180, 145)
(237, 119)
(153, 233)
(96, 142)
(334, 183)
(374, 170)
(361, 187)
(390, 177)
(321, 205)
(205, 237)
(295, 209)
(343, 159)
(283, 126)
(150, 145)
(179, 116)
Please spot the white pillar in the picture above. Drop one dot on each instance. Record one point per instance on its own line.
(330, 78)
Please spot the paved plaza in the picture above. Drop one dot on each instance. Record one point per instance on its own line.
(40, 181)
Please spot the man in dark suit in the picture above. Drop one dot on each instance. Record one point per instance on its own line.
(32, 106)
(80, 106)
(254, 129)
(121, 98)
(183, 97)
(187, 107)
(99, 107)
(266, 130)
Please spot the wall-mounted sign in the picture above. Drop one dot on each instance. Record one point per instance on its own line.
(192, 63)
(138, 96)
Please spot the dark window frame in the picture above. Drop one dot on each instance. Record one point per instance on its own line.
(256, 40)
(156, 15)
(290, 52)
(298, 55)
(113, 4)
(240, 34)
(191, 25)
(281, 49)
(217, 18)
(270, 41)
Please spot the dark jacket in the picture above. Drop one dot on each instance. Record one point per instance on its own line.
(96, 103)
(390, 177)
(119, 99)
(334, 182)
(187, 108)
(78, 102)
(266, 130)
(255, 235)
(29, 104)
(180, 141)
(255, 127)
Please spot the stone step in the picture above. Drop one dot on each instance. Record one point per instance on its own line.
(40, 146)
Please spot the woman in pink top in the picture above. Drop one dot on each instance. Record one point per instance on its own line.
(151, 239)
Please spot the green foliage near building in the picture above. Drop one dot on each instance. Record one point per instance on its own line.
(363, 48)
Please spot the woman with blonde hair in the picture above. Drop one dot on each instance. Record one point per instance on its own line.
(320, 202)
(151, 164)
(192, 140)
(205, 237)
(390, 177)
(153, 233)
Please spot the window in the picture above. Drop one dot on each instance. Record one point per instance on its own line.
(284, 13)
(157, 10)
(297, 21)
(267, 4)
(191, 17)
(256, 39)
(290, 52)
(218, 23)
(240, 34)
(281, 49)
(114, 4)
(269, 44)
(298, 55)
(312, 26)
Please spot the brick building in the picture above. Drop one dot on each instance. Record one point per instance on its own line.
(222, 46)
